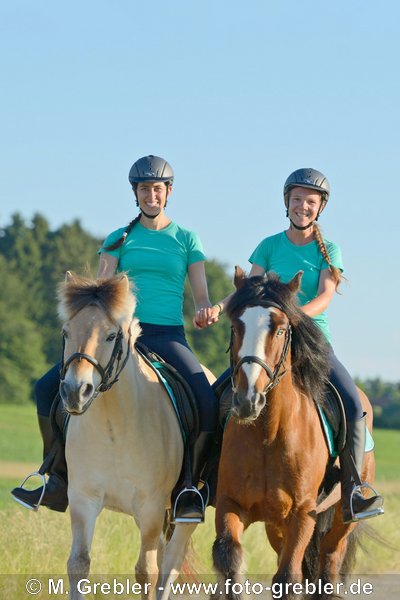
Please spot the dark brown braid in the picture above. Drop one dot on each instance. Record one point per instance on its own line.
(337, 274)
(127, 231)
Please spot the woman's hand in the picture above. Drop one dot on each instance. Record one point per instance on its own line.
(207, 316)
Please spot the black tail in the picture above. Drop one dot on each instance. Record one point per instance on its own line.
(227, 556)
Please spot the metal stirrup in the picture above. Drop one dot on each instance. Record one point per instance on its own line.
(25, 504)
(369, 513)
(193, 489)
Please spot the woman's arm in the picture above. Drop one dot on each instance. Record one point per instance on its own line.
(107, 266)
(326, 290)
(199, 287)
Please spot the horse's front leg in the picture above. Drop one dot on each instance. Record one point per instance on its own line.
(297, 531)
(150, 522)
(174, 555)
(227, 551)
(84, 512)
(336, 555)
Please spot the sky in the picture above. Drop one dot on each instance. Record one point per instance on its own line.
(235, 95)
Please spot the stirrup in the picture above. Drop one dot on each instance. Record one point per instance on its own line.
(194, 490)
(25, 504)
(366, 514)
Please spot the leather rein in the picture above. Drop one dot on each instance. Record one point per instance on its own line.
(276, 373)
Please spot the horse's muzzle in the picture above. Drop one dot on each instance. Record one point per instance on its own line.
(245, 408)
(76, 397)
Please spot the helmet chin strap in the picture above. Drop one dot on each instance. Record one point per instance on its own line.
(149, 216)
(301, 228)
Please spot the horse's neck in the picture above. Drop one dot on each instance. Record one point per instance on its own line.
(124, 401)
(284, 403)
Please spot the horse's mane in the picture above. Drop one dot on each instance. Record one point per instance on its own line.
(309, 349)
(113, 295)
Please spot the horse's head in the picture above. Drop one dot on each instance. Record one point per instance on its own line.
(98, 332)
(261, 337)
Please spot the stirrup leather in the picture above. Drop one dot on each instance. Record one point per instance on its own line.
(25, 504)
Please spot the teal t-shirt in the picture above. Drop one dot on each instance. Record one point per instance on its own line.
(157, 262)
(277, 253)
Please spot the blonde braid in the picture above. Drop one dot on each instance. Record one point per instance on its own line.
(337, 274)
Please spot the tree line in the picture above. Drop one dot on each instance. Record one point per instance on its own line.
(34, 259)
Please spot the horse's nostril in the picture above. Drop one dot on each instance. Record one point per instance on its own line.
(86, 390)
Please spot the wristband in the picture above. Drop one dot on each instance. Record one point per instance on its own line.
(221, 308)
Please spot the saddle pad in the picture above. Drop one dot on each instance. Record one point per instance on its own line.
(179, 392)
(329, 436)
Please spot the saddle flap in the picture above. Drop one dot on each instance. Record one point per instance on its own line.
(178, 391)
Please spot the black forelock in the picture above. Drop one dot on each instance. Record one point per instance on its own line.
(309, 349)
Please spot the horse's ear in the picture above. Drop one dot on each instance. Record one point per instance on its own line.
(68, 276)
(239, 277)
(294, 284)
(123, 277)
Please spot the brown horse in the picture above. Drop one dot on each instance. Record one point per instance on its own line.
(274, 456)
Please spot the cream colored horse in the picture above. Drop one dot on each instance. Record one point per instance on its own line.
(124, 448)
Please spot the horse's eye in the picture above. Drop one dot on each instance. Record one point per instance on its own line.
(111, 337)
(280, 332)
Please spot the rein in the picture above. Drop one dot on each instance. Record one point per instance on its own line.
(275, 374)
(105, 372)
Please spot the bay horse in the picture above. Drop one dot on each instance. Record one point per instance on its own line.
(124, 448)
(274, 455)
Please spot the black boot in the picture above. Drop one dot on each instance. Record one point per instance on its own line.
(354, 506)
(55, 490)
(191, 502)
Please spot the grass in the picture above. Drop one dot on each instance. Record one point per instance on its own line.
(39, 542)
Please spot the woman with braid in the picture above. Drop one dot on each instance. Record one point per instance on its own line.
(157, 254)
(301, 247)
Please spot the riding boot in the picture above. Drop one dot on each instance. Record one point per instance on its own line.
(191, 502)
(354, 506)
(55, 490)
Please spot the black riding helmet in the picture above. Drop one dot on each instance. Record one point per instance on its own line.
(151, 168)
(307, 178)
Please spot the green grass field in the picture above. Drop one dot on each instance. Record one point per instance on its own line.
(39, 542)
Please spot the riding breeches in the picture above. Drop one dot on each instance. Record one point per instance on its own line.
(343, 382)
(169, 342)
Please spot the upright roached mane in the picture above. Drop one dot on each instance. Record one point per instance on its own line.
(113, 295)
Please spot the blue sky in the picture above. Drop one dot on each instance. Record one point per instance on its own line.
(236, 96)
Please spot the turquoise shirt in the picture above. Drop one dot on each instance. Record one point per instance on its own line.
(277, 253)
(157, 262)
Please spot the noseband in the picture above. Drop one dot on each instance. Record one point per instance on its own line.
(275, 374)
(106, 372)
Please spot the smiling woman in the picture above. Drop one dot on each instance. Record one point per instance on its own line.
(301, 247)
(157, 254)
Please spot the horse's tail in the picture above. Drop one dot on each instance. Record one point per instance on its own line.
(227, 556)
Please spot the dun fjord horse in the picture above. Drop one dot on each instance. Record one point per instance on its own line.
(124, 448)
(274, 455)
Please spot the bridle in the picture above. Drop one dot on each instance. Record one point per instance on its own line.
(275, 374)
(105, 372)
